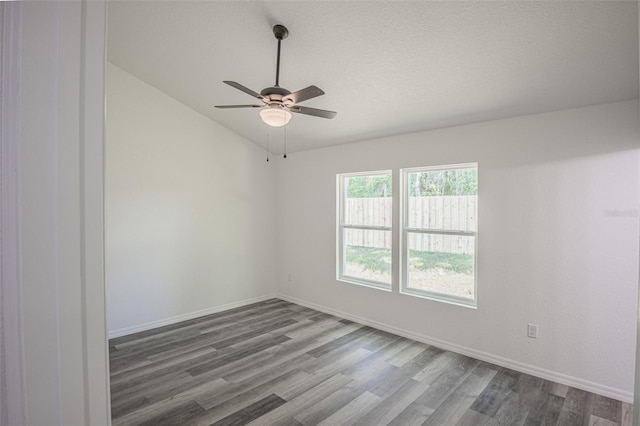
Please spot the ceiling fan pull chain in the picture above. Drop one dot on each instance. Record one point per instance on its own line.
(285, 142)
(267, 145)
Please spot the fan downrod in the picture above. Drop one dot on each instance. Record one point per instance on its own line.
(280, 31)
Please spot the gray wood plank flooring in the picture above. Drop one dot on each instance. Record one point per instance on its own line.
(277, 363)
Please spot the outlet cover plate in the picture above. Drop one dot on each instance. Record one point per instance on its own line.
(532, 331)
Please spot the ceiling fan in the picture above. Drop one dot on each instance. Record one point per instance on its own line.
(277, 102)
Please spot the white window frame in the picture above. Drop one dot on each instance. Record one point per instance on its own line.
(405, 230)
(341, 226)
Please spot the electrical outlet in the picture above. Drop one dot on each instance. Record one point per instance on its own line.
(532, 331)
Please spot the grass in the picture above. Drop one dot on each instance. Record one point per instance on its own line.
(379, 260)
(372, 259)
(454, 262)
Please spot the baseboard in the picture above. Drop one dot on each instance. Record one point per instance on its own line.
(542, 373)
(191, 315)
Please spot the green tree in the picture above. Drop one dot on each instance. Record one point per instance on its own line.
(444, 182)
(368, 186)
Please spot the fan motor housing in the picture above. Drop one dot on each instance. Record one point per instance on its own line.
(275, 91)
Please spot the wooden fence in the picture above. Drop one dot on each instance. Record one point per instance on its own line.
(451, 213)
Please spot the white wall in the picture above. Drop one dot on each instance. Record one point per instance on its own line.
(190, 210)
(547, 251)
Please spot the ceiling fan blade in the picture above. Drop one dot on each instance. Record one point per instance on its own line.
(313, 111)
(239, 106)
(244, 89)
(304, 94)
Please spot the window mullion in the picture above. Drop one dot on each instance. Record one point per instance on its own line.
(372, 228)
(441, 232)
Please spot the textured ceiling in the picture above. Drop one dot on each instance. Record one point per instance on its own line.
(387, 67)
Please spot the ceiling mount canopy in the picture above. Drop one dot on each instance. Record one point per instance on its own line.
(277, 102)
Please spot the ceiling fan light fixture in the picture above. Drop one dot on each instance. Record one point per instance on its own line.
(275, 116)
(277, 102)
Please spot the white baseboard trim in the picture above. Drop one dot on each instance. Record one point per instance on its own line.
(542, 373)
(191, 315)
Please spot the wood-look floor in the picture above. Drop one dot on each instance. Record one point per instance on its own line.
(277, 363)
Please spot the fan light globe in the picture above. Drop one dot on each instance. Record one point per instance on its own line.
(275, 116)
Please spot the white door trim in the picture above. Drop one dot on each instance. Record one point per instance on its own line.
(51, 226)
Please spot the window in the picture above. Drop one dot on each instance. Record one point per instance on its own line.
(439, 225)
(364, 228)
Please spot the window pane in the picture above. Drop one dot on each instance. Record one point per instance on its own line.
(443, 199)
(368, 254)
(441, 264)
(367, 200)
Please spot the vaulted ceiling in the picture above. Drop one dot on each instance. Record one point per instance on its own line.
(387, 67)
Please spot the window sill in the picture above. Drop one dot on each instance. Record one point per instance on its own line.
(364, 283)
(443, 298)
